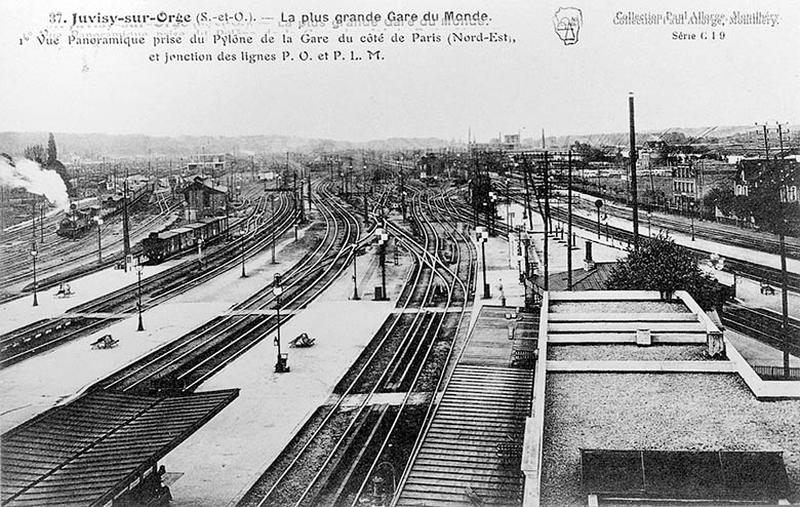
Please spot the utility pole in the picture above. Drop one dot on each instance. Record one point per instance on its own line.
(634, 188)
(33, 218)
(527, 192)
(364, 188)
(569, 220)
(784, 272)
(546, 224)
(475, 190)
(272, 225)
(308, 177)
(126, 238)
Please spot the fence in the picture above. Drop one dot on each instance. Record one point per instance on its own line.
(775, 372)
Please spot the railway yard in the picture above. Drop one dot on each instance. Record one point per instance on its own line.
(374, 338)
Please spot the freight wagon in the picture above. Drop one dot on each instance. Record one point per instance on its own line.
(159, 246)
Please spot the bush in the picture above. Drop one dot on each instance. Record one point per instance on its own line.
(662, 265)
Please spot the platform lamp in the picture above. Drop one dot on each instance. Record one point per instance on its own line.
(383, 238)
(99, 222)
(277, 291)
(139, 268)
(34, 253)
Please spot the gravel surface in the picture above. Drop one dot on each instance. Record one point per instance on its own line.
(658, 412)
(627, 353)
(619, 307)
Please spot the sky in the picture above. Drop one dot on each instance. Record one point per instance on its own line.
(419, 89)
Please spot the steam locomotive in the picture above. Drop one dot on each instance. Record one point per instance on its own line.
(78, 221)
(159, 246)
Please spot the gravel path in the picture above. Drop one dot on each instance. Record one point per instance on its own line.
(619, 307)
(627, 353)
(658, 412)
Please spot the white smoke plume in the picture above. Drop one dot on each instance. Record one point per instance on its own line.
(29, 175)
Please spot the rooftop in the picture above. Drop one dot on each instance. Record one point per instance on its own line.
(625, 371)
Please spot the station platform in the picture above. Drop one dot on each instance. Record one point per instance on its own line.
(93, 450)
(472, 449)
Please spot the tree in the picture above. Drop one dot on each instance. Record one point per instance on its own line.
(661, 264)
(52, 152)
(36, 153)
(588, 152)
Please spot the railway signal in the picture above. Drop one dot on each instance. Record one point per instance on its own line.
(34, 253)
(599, 204)
(139, 268)
(281, 364)
(242, 234)
(355, 272)
(481, 236)
(383, 238)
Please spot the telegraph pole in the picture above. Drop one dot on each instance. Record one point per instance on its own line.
(569, 220)
(364, 188)
(126, 238)
(527, 192)
(634, 188)
(546, 224)
(784, 272)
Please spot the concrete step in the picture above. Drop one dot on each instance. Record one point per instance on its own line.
(616, 327)
(625, 337)
(622, 317)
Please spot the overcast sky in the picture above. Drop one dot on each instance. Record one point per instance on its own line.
(418, 90)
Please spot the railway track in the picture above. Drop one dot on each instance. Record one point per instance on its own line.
(754, 271)
(75, 258)
(753, 240)
(343, 446)
(103, 311)
(60, 254)
(763, 325)
(184, 364)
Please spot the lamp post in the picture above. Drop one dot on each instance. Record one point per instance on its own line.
(34, 253)
(242, 234)
(691, 216)
(481, 236)
(99, 222)
(277, 290)
(139, 268)
(383, 237)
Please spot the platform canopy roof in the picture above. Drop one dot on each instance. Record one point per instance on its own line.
(90, 450)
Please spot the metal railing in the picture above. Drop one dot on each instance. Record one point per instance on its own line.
(775, 372)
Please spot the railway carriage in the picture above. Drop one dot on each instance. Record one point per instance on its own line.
(159, 246)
